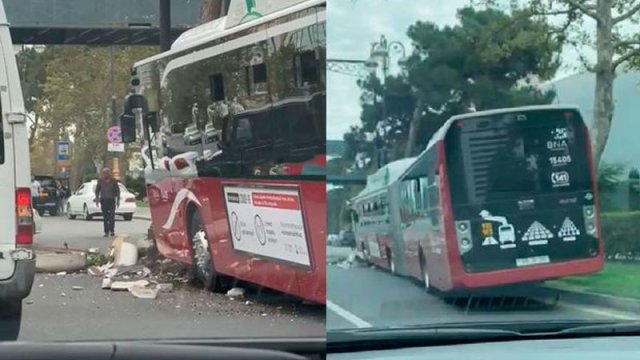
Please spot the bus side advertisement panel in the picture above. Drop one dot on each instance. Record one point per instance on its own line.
(267, 221)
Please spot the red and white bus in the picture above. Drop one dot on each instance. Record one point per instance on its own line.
(498, 197)
(249, 204)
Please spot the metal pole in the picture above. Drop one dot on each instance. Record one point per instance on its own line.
(165, 25)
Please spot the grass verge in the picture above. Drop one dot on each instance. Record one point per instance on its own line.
(617, 279)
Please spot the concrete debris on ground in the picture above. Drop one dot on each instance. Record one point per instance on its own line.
(143, 277)
(343, 257)
(142, 292)
(235, 292)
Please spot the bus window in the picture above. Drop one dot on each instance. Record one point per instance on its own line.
(1, 142)
(262, 127)
(243, 131)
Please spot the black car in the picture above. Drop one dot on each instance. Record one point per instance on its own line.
(51, 196)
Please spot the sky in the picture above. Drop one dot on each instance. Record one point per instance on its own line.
(353, 25)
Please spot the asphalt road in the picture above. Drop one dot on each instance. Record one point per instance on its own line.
(55, 311)
(363, 296)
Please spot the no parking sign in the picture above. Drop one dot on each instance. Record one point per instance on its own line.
(114, 138)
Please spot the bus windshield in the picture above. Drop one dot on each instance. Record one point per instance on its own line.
(542, 152)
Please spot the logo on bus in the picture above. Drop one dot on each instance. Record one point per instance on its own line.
(560, 179)
(555, 145)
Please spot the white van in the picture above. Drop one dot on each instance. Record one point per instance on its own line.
(17, 259)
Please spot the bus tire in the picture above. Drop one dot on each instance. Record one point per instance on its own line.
(425, 276)
(202, 263)
(390, 262)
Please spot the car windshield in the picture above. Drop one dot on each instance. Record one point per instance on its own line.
(102, 82)
(466, 141)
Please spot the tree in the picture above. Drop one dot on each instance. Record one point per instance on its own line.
(76, 100)
(486, 61)
(614, 44)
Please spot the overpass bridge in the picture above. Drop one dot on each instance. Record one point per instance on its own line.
(96, 22)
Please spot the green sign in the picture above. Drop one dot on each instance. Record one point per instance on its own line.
(251, 10)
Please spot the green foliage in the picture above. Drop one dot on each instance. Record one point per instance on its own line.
(609, 176)
(486, 61)
(136, 185)
(619, 233)
(71, 88)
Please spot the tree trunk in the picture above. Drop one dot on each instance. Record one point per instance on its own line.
(605, 75)
(414, 127)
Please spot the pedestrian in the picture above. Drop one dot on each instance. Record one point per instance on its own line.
(35, 188)
(108, 198)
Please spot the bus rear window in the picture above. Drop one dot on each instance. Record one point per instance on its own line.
(515, 155)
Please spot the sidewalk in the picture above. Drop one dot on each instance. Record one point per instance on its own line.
(142, 213)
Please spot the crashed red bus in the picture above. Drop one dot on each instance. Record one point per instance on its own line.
(498, 198)
(235, 114)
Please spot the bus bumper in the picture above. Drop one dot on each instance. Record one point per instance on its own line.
(533, 274)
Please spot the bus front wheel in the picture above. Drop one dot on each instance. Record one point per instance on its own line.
(425, 273)
(202, 263)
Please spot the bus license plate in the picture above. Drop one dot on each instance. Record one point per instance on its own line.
(534, 260)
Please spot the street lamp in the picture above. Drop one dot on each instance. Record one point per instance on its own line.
(381, 52)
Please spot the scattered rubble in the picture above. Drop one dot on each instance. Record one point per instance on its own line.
(235, 292)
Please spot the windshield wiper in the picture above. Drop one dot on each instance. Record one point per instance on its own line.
(389, 338)
(622, 328)
(465, 333)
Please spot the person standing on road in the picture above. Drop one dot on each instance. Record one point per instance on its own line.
(35, 188)
(108, 197)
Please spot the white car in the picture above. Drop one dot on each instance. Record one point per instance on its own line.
(81, 203)
(192, 135)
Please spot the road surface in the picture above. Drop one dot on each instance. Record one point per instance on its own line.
(55, 311)
(363, 296)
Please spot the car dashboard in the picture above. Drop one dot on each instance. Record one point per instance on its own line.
(591, 348)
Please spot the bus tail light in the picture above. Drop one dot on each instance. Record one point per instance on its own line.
(463, 232)
(24, 217)
(590, 220)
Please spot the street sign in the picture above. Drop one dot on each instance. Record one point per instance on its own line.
(115, 147)
(114, 138)
(114, 135)
(63, 153)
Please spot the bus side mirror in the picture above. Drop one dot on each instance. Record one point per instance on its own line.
(128, 128)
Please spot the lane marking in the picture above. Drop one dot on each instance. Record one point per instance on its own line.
(606, 313)
(350, 317)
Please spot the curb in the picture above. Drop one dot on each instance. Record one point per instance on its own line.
(589, 298)
(142, 217)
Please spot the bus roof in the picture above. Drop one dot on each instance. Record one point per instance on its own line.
(222, 27)
(440, 134)
(385, 176)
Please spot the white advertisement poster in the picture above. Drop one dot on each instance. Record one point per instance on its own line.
(267, 222)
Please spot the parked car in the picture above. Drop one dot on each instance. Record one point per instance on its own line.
(192, 136)
(211, 134)
(50, 199)
(81, 203)
(347, 238)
